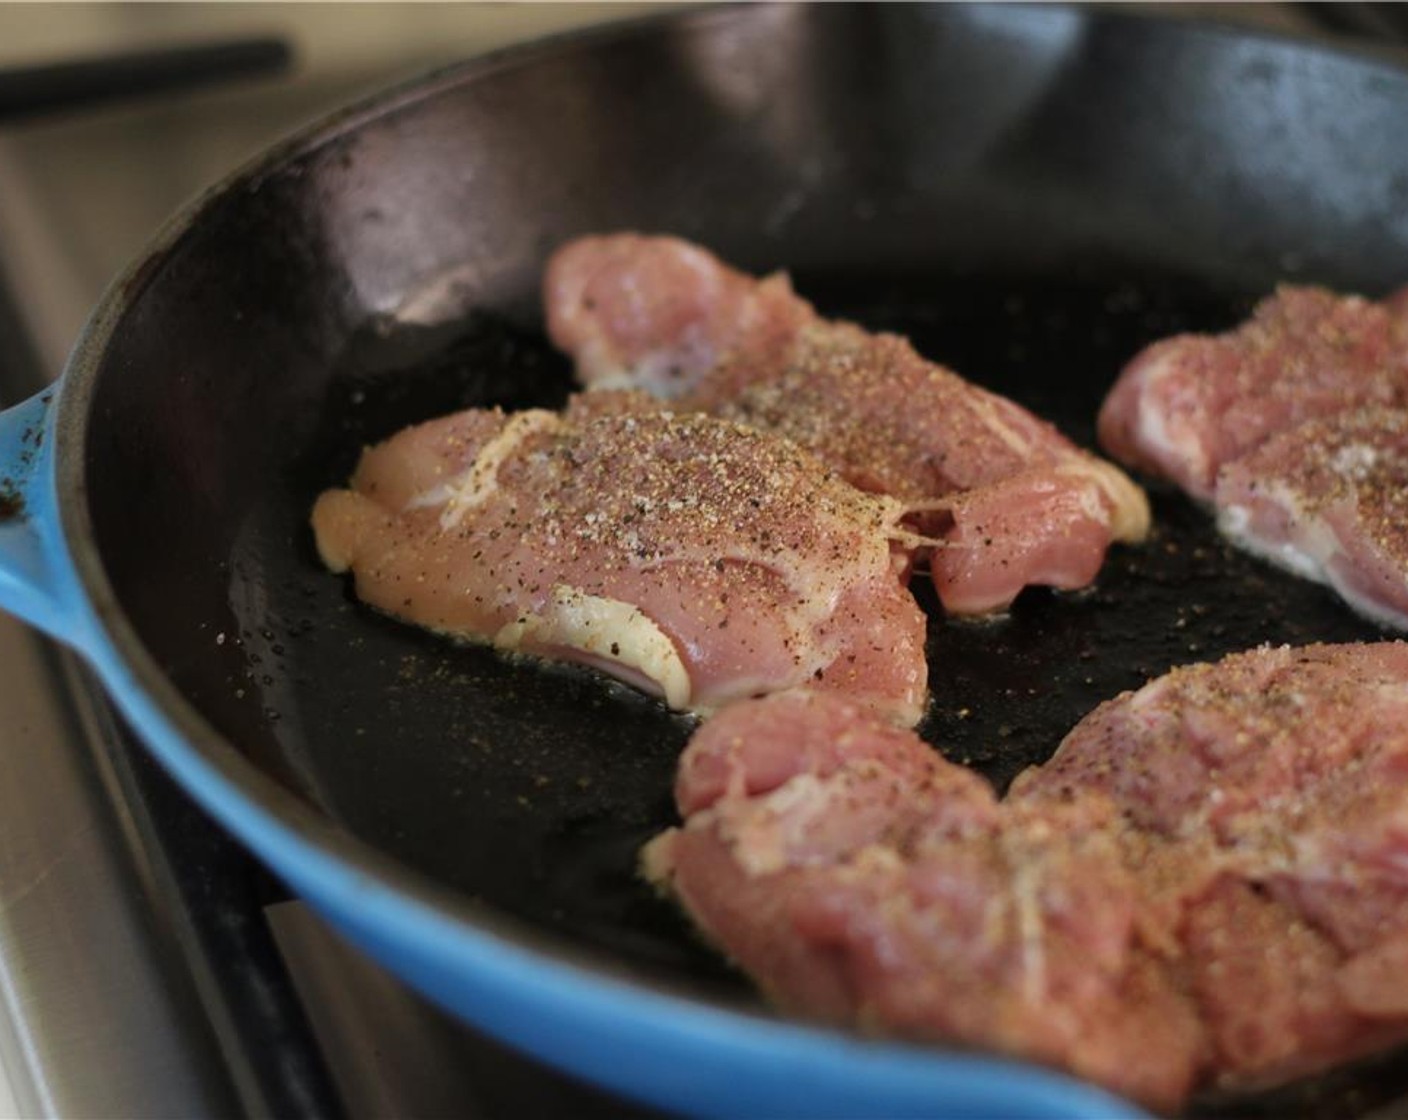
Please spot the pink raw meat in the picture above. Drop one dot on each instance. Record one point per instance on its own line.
(1328, 499)
(692, 557)
(1189, 404)
(863, 880)
(1206, 886)
(1268, 791)
(661, 314)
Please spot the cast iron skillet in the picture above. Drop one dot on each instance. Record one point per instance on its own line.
(1032, 193)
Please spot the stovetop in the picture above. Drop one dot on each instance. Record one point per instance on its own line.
(147, 966)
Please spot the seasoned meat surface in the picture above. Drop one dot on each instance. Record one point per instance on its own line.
(1204, 886)
(1187, 405)
(863, 880)
(1014, 502)
(1269, 790)
(693, 557)
(1293, 427)
(1328, 499)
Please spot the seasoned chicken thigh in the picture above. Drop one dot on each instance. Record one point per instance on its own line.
(694, 558)
(1012, 501)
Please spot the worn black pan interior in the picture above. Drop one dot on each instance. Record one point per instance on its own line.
(1030, 193)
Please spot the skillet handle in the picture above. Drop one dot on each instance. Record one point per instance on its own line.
(32, 558)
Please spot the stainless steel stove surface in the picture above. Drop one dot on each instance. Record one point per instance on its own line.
(147, 967)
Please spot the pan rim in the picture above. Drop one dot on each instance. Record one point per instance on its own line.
(185, 741)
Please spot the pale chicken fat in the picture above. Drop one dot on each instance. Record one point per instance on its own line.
(691, 557)
(661, 314)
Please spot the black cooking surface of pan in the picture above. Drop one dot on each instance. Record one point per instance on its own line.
(1030, 195)
(535, 787)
